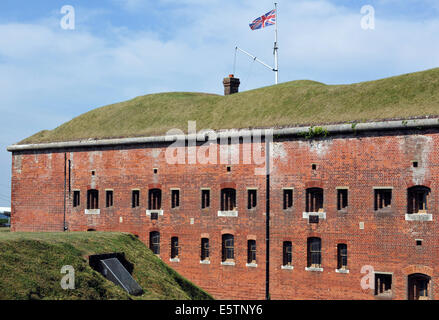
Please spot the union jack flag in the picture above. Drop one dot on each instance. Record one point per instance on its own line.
(266, 20)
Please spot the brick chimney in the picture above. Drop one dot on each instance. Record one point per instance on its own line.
(231, 85)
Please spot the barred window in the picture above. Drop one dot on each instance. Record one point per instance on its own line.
(314, 199)
(92, 199)
(155, 199)
(228, 199)
(383, 198)
(417, 199)
(251, 199)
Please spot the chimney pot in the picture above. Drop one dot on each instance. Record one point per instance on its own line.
(231, 85)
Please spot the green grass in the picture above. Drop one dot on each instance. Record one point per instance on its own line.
(293, 103)
(30, 265)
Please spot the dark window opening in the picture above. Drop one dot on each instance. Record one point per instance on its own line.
(154, 242)
(419, 242)
(92, 199)
(135, 199)
(91, 230)
(418, 286)
(204, 249)
(288, 198)
(156, 171)
(109, 198)
(228, 199)
(342, 199)
(314, 167)
(287, 253)
(383, 284)
(417, 199)
(314, 253)
(415, 164)
(228, 252)
(314, 200)
(251, 251)
(175, 248)
(383, 198)
(205, 199)
(76, 198)
(93, 173)
(251, 199)
(229, 169)
(154, 215)
(342, 256)
(175, 198)
(155, 199)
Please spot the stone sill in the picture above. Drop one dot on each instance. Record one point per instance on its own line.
(251, 265)
(342, 270)
(321, 215)
(159, 212)
(312, 269)
(228, 263)
(227, 213)
(287, 267)
(204, 261)
(419, 217)
(174, 260)
(92, 211)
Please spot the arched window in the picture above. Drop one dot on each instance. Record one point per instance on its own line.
(228, 247)
(154, 241)
(417, 199)
(92, 199)
(314, 252)
(228, 199)
(314, 199)
(418, 286)
(155, 199)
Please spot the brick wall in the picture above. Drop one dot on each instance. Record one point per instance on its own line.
(359, 163)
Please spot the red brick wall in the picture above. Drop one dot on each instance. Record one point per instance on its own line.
(360, 163)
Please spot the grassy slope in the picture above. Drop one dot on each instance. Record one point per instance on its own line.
(30, 265)
(287, 104)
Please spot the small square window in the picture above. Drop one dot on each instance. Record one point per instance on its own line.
(419, 242)
(229, 169)
(156, 170)
(93, 172)
(314, 166)
(154, 215)
(415, 164)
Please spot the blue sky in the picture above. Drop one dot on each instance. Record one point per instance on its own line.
(120, 49)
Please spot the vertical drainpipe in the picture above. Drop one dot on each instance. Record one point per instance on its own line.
(65, 190)
(267, 219)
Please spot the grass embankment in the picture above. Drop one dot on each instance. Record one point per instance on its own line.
(30, 265)
(293, 103)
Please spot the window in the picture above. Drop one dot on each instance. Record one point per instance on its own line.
(136, 198)
(154, 242)
(383, 284)
(175, 198)
(314, 253)
(228, 253)
(228, 199)
(418, 286)
(252, 199)
(342, 199)
(205, 249)
(383, 198)
(314, 166)
(109, 198)
(415, 164)
(288, 198)
(314, 200)
(417, 199)
(76, 198)
(175, 248)
(205, 199)
(92, 199)
(342, 256)
(287, 255)
(251, 251)
(154, 215)
(155, 199)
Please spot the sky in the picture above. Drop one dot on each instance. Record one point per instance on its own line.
(120, 49)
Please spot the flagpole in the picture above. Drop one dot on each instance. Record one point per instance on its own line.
(276, 60)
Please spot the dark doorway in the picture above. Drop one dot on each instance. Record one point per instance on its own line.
(418, 287)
